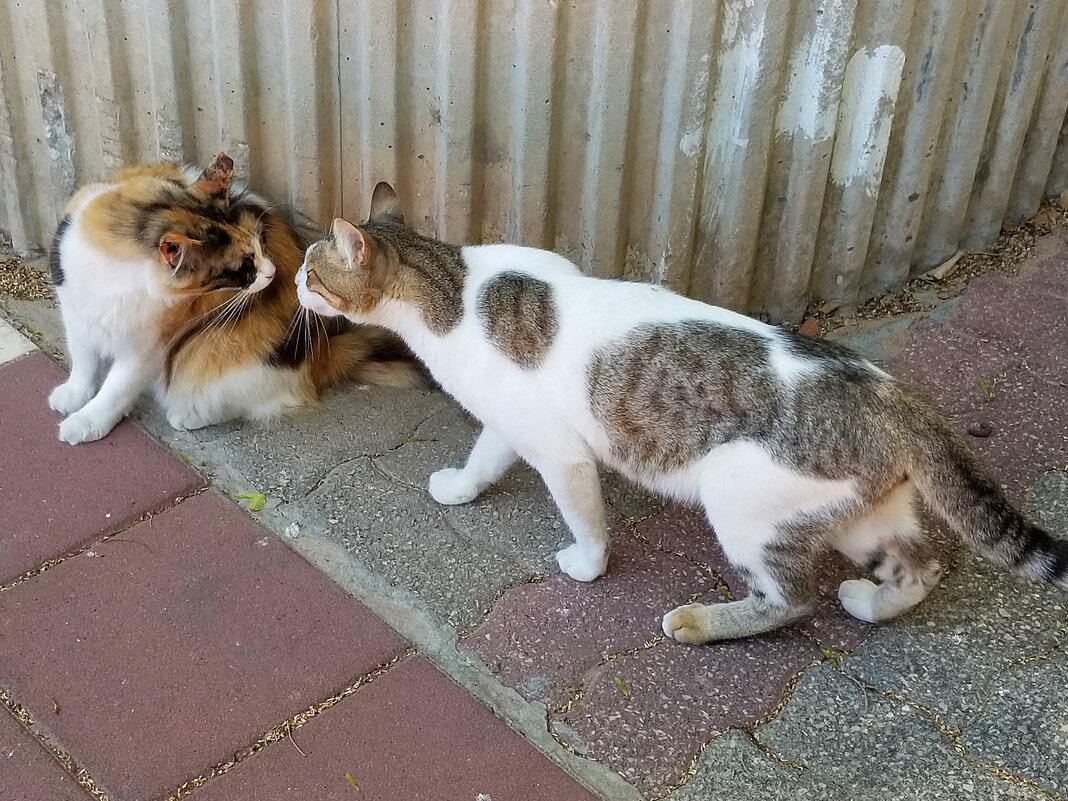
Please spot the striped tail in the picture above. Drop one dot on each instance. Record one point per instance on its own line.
(955, 485)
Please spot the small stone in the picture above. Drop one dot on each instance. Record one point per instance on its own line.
(981, 429)
(1062, 201)
(292, 531)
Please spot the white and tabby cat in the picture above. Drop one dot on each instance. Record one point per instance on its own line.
(170, 277)
(792, 445)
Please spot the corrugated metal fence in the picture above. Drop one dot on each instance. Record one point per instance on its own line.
(755, 153)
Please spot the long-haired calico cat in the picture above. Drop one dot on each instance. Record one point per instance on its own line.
(792, 445)
(170, 277)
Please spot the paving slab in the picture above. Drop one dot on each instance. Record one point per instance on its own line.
(55, 497)
(12, 344)
(947, 362)
(732, 767)
(28, 772)
(543, 637)
(947, 653)
(874, 746)
(677, 697)
(1024, 727)
(1024, 313)
(410, 734)
(183, 640)
(1026, 416)
(685, 531)
(402, 534)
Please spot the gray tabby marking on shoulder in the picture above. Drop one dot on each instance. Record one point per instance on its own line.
(519, 316)
(433, 275)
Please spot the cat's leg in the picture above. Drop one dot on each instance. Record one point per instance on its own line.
(489, 460)
(779, 579)
(126, 379)
(576, 488)
(85, 360)
(772, 522)
(889, 540)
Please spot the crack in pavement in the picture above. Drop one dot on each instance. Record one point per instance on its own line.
(111, 535)
(285, 728)
(407, 440)
(630, 525)
(78, 773)
(952, 736)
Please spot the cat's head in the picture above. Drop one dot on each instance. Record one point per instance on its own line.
(352, 271)
(208, 242)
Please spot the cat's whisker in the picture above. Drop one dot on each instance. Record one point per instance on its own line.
(221, 313)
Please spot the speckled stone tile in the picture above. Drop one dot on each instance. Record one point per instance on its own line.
(877, 747)
(676, 698)
(732, 767)
(946, 653)
(1027, 417)
(1024, 727)
(1025, 314)
(946, 362)
(541, 638)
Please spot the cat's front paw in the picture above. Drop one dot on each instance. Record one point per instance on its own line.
(186, 421)
(450, 487)
(81, 427)
(67, 398)
(583, 564)
(858, 598)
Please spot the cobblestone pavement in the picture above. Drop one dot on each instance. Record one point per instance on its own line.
(438, 650)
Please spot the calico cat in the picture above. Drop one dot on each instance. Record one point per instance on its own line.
(183, 281)
(792, 445)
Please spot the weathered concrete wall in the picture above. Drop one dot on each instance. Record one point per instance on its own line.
(755, 153)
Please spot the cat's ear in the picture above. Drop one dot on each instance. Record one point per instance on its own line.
(354, 243)
(173, 247)
(385, 205)
(215, 180)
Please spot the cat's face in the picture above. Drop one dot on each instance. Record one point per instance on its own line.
(350, 272)
(203, 254)
(206, 244)
(332, 282)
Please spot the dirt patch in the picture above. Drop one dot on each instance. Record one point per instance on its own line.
(19, 280)
(1016, 244)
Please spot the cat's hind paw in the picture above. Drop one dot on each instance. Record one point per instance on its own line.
(688, 624)
(81, 427)
(583, 564)
(67, 399)
(451, 487)
(858, 598)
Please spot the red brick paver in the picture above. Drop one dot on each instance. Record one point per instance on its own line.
(411, 734)
(177, 644)
(28, 772)
(55, 497)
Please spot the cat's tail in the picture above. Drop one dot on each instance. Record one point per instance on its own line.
(368, 355)
(954, 483)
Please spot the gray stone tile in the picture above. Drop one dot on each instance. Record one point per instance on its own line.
(401, 534)
(877, 747)
(732, 767)
(1024, 728)
(289, 459)
(946, 653)
(516, 516)
(1047, 503)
